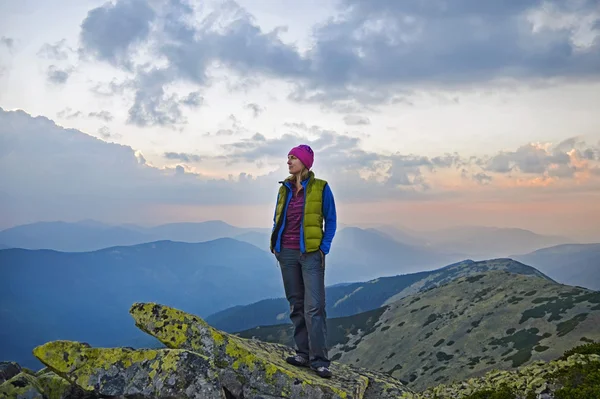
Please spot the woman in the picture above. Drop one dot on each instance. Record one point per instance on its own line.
(300, 245)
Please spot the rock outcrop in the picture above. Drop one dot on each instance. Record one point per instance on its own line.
(202, 362)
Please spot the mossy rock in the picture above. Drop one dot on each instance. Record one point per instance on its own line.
(21, 386)
(145, 373)
(526, 382)
(254, 368)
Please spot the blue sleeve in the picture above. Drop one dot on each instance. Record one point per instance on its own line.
(330, 217)
(275, 212)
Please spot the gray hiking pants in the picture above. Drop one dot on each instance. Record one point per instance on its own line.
(304, 284)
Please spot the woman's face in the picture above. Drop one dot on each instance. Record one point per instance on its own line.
(294, 165)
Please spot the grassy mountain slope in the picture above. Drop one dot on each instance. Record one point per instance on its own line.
(355, 298)
(472, 325)
(573, 264)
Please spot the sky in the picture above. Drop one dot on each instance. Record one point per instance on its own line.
(424, 115)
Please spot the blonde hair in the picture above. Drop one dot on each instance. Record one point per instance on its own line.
(303, 175)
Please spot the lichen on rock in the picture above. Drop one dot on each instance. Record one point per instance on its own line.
(144, 373)
(253, 368)
(21, 386)
(534, 379)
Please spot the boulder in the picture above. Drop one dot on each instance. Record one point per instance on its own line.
(21, 386)
(144, 373)
(255, 369)
(8, 370)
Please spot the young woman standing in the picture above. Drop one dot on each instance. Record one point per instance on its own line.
(300, 244)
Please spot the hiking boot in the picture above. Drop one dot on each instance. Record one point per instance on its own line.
(322, 371)
(297, 360)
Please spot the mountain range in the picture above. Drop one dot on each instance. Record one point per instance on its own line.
(90, 235)
(46, 294)
(489, 320)
(350, 299)
(358, 254)
(573, 264)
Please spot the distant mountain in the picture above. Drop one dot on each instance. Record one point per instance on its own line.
(256, 238)
(360, 255)
(2, 246)
(462, 329)
(46, 295)
(89, 235)
(363, 254)
(350, 299)
(199, 232)
(489, 242)
(402, 235)
(73, 237)
(573, 264)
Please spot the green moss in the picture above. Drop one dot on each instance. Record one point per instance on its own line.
(441, 341)
(20, 386)
(53, 386)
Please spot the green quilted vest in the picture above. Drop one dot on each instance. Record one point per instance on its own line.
(313, 212)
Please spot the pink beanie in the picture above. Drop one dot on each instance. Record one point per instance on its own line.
(304, 153)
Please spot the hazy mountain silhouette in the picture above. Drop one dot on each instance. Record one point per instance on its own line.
(477, 241)
(91, 235)
(47, 295)
(361, 255)
(573, 264)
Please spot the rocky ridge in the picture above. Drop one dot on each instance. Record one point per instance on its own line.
(198, 362)
(202, 362)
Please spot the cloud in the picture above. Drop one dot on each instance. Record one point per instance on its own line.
(371, 52)
(356, 120)
(152, 105)
(534, 158)
(255, 108)
(109, 32)
(482, 178)
(182, 157)
(58, 51)
(104, 115)
(68, 113)
(9, 42)
(77, 174)
(58, 76)
(193, 100)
